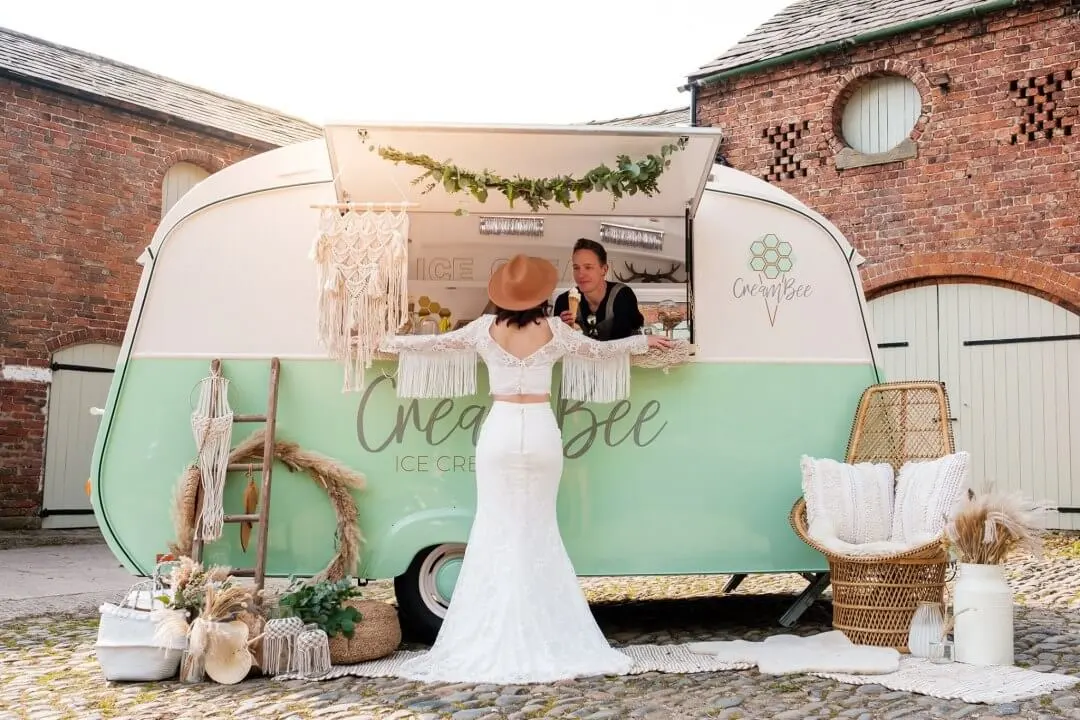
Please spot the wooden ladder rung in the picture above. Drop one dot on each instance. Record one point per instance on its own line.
(242, 467)
(262, 517)
(242, 517)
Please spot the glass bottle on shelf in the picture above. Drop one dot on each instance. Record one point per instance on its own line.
(429, 324)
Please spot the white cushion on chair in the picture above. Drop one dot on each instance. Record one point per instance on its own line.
(928, 493)
(848, 505)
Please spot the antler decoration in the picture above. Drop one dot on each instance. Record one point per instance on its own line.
(648, 277)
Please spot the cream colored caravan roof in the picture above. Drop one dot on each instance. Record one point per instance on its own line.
(733, 182)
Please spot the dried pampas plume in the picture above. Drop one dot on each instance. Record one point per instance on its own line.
(988, 528)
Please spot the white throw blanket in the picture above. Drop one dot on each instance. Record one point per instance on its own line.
(790, 654)
(827, 655)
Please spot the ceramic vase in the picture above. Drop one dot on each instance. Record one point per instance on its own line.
(927, 626)
(983, 612)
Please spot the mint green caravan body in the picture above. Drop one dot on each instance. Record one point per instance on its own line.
(695, 473)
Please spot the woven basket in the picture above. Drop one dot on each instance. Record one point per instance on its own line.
(875, 597)
(377, 634)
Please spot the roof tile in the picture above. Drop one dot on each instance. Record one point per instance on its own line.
(806, 24)
(38, 60)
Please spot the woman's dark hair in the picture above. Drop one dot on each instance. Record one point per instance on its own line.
(521, 318)
(592, 246)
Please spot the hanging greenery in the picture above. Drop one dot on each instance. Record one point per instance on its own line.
(629, 177)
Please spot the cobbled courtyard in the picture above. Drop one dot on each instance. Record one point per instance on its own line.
(48, 670)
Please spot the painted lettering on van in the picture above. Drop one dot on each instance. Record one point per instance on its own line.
(771, 260)
(613, 427)
(443, 268)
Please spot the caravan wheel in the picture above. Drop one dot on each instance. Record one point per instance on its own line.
(424, 590)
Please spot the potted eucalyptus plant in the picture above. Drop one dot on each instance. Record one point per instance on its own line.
(358, 630)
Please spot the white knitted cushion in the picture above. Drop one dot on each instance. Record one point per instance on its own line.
(928, 494)
(849, 503)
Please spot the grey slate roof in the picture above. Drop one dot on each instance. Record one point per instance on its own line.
(665, 118)
(37, 61)
(806, 24)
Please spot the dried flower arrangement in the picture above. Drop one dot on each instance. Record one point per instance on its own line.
(189, 582)
(206, 596)
(988, 528)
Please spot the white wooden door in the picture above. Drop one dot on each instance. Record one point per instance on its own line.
(906, 327)
(81, 376)
(1011, 364)
(180, 178)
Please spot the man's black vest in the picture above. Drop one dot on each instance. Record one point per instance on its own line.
(600, 330)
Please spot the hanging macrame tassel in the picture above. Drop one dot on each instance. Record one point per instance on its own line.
(361, 261)
(211, 424)
(596, 380)
(436, 374)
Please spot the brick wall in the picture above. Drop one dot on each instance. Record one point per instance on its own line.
(80, 197)
(973, 203)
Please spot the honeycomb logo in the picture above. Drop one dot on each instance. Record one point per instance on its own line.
(771, 256)
(771, 261)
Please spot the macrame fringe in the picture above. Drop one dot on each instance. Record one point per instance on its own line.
(279, 645)
(311, 657)
(436, 374)
(211, 424)
(362, 267)
(596, 380)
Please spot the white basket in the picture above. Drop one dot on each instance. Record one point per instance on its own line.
(126, 647)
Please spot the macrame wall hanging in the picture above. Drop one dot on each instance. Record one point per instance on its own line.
(211, 424)
(362, 260)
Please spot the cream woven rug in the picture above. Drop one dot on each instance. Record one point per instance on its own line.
(828, 655)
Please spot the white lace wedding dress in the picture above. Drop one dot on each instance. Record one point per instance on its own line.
(517, 614)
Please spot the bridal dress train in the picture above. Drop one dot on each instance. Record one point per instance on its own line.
(518, 614)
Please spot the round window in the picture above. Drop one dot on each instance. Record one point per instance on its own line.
(880, 113)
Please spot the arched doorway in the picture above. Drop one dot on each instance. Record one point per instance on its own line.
(1010, 362)
(81, 376)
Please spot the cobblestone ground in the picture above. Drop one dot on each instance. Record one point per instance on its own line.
(48, 669)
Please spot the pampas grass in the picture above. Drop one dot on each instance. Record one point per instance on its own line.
(988, 528)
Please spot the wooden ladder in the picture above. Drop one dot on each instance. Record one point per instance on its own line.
(261, 518)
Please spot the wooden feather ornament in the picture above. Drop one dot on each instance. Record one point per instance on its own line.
(251, 502)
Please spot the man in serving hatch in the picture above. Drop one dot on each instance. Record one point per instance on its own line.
(602, 309)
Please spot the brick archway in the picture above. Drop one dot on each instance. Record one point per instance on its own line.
(209, 163)
(79, 336)
(1044, 280)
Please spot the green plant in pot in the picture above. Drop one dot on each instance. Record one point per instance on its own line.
(324, 603)
(359, 630)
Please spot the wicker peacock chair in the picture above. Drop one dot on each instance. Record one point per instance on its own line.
(875, 597)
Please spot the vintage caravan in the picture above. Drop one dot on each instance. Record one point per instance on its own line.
(695, 473)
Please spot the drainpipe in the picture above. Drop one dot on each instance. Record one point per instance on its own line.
(878, 34)
(693, 105)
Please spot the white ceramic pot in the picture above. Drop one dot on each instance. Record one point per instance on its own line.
(983, 611)
(926, 627)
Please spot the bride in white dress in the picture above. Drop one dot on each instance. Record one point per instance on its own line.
(517, 614)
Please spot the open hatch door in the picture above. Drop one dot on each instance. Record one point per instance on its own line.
(362, 175)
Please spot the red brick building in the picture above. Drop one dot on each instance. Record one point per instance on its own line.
(92, 154)
(943, 138)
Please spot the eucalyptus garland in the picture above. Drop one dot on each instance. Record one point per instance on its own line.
(629, 177)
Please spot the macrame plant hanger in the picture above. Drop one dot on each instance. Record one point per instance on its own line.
(211, 424)
(361, 256)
